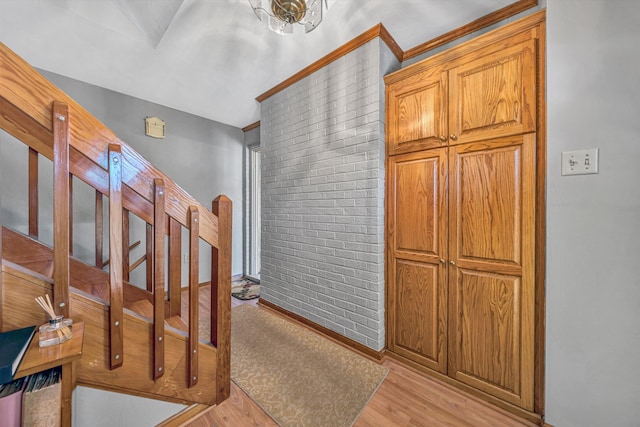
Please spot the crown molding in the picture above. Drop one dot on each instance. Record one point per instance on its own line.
(367, 36)
(251, 126)
(380, 31)
(473, 26)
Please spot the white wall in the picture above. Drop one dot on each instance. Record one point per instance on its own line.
(100, 408)
(593, 233)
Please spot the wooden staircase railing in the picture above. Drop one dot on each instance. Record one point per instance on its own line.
(51, 124)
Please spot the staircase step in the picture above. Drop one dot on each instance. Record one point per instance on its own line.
(178, 323)
(142, 307)
(145, 309)
(36, 256)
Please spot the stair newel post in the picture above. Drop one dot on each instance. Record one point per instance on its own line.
(194, 293)
(221, 296)
(158, 278)
(61, 208)
(116, 335)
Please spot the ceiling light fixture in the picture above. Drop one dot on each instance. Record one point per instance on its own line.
(281, 15)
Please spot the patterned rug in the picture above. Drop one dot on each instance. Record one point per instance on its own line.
(298, 377)
(245, 289)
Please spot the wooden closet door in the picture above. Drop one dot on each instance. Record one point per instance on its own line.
(417, 239)
(417, 113)
(492, 243)
(493, 94)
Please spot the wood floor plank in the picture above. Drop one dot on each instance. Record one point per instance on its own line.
(405, 398)
(237, 410)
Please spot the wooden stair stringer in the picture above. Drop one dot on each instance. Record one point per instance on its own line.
(145, 309)
(135, 376)
(178, 323)
(38, 257)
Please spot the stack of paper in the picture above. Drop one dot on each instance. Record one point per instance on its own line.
(41, 399)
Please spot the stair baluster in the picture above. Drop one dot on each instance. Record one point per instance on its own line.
(221, 294)
(33, 193)
(149, 256)
(60, 122)
(194, 294)
(175, 270)
(99, 231)
(116, 335)
(158, 278)
(126, 262)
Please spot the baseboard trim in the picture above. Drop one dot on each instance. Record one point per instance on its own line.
(203, 284)
(328, 333)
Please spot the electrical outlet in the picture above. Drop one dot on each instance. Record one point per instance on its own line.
(185, 257)
(580, 162)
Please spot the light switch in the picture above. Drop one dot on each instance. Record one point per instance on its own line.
(580, 162)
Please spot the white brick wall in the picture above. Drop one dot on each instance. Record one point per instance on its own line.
(322, 143)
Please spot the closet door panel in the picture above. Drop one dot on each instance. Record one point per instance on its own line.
(494, 95)
(488, 346)
(421, 313)
(492, 203)
(417, 239)
(492, 248)
(417, 115)
(419, 204)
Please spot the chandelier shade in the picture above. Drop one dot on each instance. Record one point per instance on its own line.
(283, 16)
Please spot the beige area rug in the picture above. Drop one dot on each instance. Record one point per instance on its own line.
(298, 377)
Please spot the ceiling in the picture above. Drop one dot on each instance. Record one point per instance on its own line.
(210, 58)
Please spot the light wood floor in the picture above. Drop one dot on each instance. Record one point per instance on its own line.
(405, 398)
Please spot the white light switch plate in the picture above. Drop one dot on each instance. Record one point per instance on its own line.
(580, 162)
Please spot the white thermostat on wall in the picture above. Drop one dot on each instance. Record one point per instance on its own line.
(154, 127)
